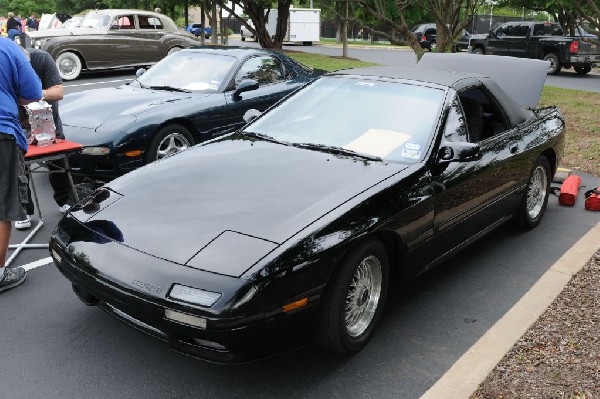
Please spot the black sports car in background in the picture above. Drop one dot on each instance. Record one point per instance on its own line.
(188, 97)
(312, 212)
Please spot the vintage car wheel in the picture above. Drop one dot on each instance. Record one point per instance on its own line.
(555, 66)
(168, 141)
(173, 50)
(582, 70)
(354, 299)
(69, 65)
(478, 51)
(534, 202)
(243, 38)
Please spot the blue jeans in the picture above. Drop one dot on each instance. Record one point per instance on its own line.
(12, 33)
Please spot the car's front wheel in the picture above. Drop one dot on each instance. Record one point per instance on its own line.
(69, 65)
(173, 50)
(354, 299)
(534, 202)
(478, 51)
(168, 141)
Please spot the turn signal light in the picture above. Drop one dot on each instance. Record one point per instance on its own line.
(133, 153)
(423, 38)
(295, 305)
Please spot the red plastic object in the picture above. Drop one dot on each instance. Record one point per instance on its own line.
(592, 201)
(569, 190)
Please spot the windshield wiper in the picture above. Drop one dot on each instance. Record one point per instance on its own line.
(336, 150)
(167, 88)
(265, 137)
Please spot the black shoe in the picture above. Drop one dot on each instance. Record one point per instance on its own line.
(12, 277)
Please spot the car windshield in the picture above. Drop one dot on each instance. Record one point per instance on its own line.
(189, 70)
(390, 120)
(95, 21)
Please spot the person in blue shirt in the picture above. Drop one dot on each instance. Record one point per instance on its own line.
(19, 85)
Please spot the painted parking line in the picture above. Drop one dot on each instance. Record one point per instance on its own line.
(37, 263)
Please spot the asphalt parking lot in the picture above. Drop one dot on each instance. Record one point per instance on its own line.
(56, 347)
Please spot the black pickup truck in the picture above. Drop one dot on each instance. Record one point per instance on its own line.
(541, 40)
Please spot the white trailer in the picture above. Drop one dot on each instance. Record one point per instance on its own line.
(304, 25)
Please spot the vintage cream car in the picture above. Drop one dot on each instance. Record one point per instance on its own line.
(106, 39)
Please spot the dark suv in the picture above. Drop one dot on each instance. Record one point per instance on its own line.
(425, 34)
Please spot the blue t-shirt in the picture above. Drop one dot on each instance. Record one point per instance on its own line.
(17, 79)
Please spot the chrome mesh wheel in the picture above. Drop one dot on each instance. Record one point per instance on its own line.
(536, 192)
(363, 296)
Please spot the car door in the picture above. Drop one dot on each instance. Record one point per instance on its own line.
(150, 32)
(274, 83)
(496, 43)
(476, 195)
(120, 44)
(517, 43)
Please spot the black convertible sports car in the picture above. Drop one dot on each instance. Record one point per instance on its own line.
(186, 98)
(312, 212)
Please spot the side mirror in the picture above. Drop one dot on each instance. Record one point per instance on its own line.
(140, 72)
(251, 114)
(459, 152)
(245, 85)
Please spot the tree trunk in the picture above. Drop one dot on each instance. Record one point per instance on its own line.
(344, 33)
(214, 24)
(203, 20)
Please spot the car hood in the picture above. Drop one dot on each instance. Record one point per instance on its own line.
(223, 206)
(46, 33)
(90, 109)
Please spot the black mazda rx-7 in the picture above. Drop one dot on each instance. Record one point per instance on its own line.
(312, 212)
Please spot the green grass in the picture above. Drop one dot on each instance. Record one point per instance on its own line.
(326, 62)
(579, 108)
(357, 42)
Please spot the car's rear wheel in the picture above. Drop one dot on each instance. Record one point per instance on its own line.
(69, 65)
(354, 299)
(478, 51)
(535, 200)
(243, 38)
(169, 140)
(555, 66)
(579, 70)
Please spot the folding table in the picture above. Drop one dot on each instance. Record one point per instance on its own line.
(35, 159)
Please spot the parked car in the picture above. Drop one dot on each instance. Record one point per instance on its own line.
(245, 33)
(196, 30)
(425, 34)
(73, 22)
(108, 39)
(308, 216)
(539, 40)
(174, 105)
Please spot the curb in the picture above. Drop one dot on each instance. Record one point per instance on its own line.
(471, 369)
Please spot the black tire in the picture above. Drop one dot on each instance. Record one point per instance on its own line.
(478, 51)
(555, 65)
(580, 70)
(354, 299)
(535, 199)
(243, 38)
(168, 141)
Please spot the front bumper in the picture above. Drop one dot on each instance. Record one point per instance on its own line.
(231, 338)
